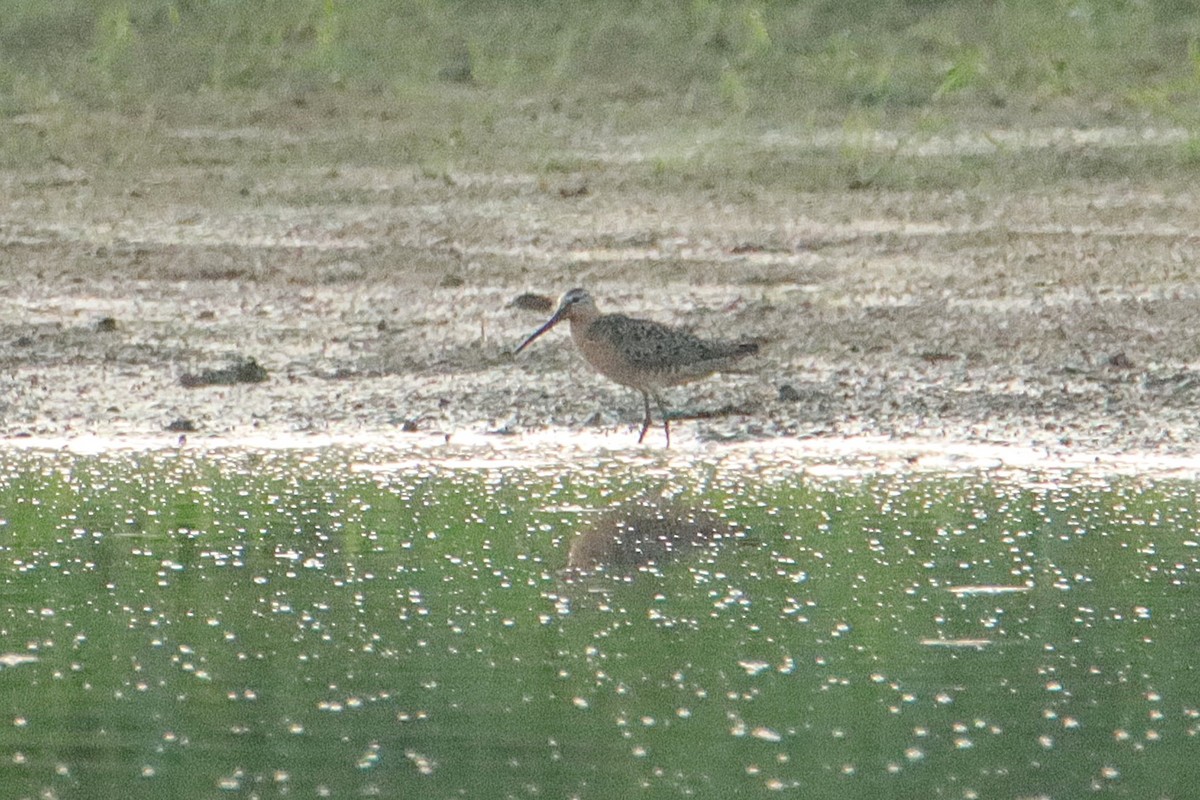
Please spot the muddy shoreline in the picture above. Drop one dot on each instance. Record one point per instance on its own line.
(1065, 317)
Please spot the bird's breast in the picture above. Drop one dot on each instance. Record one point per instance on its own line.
(605, 355)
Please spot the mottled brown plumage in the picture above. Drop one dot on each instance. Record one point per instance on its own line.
(641, 354)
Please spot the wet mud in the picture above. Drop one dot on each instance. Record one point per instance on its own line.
(1064, 317)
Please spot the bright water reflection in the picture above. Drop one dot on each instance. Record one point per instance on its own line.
(264, 625)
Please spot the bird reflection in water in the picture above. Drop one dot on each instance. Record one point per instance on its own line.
(644, 534)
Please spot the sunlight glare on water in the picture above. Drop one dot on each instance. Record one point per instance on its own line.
(342, 621)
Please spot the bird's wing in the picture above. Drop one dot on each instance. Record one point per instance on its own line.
(650, 345)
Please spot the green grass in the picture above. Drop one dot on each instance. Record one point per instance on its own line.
(703, 56)
(499, 84)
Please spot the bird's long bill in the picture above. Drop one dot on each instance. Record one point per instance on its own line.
(550, 323)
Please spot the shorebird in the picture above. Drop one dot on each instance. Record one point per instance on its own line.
(641, 354)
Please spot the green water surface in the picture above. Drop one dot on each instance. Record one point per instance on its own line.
(325, 624)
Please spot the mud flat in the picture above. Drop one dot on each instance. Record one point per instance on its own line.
(1060, 317)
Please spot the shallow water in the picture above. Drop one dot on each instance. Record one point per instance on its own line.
(342, 622)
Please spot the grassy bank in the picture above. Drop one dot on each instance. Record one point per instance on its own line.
(504, 83)
(789, 60)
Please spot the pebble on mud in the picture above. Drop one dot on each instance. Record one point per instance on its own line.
(1121, 361)
(788, 394)
(575, 188)
(533, 302)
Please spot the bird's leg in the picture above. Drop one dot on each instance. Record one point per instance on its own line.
(662, 409)
(646, 422)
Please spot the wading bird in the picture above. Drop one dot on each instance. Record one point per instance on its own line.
(641, 354)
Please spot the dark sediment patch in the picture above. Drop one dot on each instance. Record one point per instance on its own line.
(243, 371)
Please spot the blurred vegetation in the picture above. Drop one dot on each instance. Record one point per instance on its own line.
(774, 59)
(466, 70)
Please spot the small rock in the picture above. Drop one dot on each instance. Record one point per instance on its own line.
(533, 302)
(1121, 361)
(106, 325)
(788, 394)
(182, 425)
(344, 271)
(745, 247)
(576, 188)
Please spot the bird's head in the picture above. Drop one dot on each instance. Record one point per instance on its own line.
(575, 304)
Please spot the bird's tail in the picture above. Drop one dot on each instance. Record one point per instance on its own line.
(736, 351)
